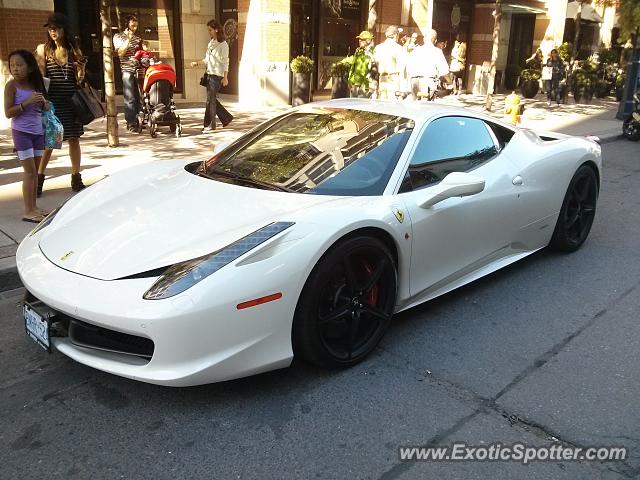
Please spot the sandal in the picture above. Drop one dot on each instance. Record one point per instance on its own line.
(36, 218)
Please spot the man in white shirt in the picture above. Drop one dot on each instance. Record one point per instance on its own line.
(389, 56)
(425, 66)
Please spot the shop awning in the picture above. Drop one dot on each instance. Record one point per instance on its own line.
(588, 13)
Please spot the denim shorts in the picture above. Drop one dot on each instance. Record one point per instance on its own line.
(27, 145)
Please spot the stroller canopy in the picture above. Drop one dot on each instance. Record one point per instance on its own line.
(159, 71)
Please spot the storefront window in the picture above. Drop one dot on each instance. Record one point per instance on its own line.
(340, 23)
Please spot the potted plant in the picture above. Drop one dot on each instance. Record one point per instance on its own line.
(340, 78)
(301, 67)
(621, 80)
(602, 88)
(530, 82)
(584, 80)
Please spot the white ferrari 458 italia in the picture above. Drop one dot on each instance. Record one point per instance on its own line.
(303, 237)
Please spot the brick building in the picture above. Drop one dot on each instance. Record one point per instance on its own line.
(265, 34)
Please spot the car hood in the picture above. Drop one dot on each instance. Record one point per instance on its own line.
(135, 222)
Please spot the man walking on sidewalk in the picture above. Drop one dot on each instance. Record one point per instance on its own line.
(127, 43)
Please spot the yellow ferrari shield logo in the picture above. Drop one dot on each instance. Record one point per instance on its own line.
(399, 214)
(66, 255)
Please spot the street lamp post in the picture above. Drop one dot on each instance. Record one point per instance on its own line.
(633, 72)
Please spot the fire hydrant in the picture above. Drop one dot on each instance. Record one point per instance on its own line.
(512, 108)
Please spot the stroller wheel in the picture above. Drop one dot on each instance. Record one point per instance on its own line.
(179, 131)
(153, 130)
(173, 127)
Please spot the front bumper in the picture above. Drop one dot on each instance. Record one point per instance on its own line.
(198, 337)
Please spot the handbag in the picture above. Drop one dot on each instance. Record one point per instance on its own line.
(204, 80)
(87, 105)
(53, 129)
(547, 73)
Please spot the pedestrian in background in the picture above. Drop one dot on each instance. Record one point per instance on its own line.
(216, 62)
(426, 65)
(127, 44)
(389, 56)
(556, 68)
(458, 62)
(24, 100)
(62, 62)
(360, 72)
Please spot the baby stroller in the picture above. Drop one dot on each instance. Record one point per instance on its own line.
(158, 109)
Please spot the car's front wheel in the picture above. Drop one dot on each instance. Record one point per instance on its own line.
(346, 304)
(577, 212)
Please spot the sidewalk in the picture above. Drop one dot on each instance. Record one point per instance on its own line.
(98, 160)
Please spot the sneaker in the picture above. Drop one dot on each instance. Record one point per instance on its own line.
(227, 123)
(207, 130)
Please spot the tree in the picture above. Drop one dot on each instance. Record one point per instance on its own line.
(629, 14)
(494, 54)
(109, 85)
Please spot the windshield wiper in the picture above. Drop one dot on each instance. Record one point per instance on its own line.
(246, 180)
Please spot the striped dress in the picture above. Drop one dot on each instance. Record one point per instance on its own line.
(61, 89)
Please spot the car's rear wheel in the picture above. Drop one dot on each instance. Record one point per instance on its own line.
(346, 304)
(577, 212)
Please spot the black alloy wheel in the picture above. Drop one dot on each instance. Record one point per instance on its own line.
(577, 212)
(346, 304)
(631, 129)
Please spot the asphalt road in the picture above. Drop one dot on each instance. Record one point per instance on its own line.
(545, 350)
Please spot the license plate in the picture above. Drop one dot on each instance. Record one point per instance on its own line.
(37, 327)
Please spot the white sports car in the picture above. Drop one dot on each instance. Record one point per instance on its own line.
(303, 237)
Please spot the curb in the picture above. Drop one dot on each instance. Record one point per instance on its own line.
(9, 278)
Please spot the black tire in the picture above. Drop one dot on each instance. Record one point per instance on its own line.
(631, 129)
(346, 304)
(577, 212)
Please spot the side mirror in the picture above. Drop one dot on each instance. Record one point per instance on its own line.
(221, 146)
(456, 184)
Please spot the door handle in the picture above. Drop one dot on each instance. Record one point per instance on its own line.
(517, 180)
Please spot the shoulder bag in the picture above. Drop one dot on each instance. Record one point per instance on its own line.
(86, 104)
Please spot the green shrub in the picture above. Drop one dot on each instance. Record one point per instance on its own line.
(607, 56)
(530, 74)
(621, 80)
(564, 51)
(341, 68)
(301, 64)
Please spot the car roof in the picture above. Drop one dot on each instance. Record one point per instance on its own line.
(417, 111)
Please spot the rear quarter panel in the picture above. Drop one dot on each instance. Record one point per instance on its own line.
(546, 167)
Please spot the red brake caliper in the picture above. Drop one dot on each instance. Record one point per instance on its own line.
(372, 296)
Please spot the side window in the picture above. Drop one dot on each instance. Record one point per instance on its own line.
(449, 144)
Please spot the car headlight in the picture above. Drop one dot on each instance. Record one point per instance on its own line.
(45, 223)
(181, 276)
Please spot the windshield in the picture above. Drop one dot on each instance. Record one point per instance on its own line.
(326, 151)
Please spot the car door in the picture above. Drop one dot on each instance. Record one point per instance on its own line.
(460, 234)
